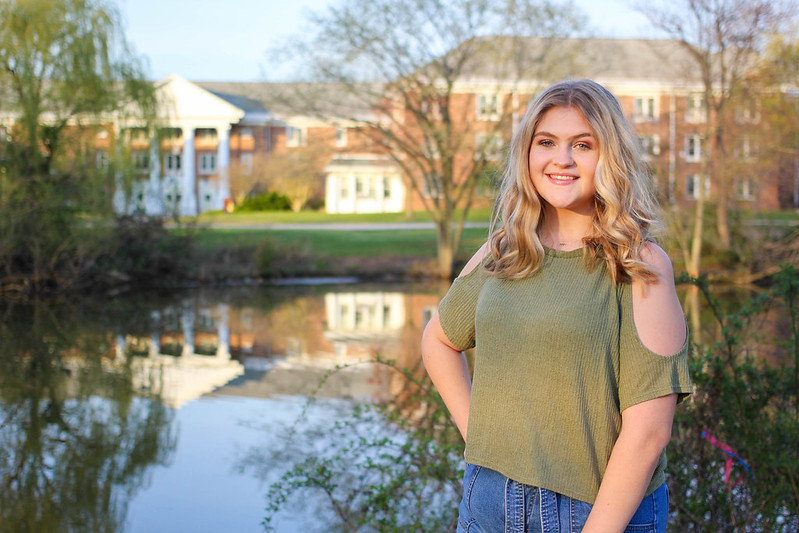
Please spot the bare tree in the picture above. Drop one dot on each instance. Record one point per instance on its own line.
(297, 173)
(725, 38)
(436, 84)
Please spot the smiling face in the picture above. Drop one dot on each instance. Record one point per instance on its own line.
(563, 160)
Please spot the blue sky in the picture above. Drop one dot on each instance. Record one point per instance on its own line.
(213, 40)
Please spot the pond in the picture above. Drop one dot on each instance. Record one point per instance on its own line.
(160, 412)
(177, 412)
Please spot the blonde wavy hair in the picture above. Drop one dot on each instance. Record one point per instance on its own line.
(624, 207)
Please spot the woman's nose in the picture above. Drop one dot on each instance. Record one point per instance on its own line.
(564, 157)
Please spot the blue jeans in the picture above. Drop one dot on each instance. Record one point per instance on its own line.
(492, 503)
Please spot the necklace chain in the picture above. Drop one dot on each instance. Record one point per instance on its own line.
(561, 244)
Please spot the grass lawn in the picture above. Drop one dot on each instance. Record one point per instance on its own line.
(353, 243)
(319, 217)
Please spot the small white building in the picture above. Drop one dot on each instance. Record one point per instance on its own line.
(363, 185)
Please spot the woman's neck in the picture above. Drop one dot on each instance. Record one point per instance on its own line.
(565, 232)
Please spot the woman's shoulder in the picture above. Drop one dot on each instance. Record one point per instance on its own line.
(476, 260)
(657, 260)
(658, 314)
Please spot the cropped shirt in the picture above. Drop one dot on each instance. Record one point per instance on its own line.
(557, 359)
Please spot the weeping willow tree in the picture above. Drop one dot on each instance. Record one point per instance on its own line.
(66, 72)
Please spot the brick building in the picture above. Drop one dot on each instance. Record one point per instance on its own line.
(219, 128)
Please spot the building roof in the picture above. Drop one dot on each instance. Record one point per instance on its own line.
(537, 61)
(281, 100)
(540, 60)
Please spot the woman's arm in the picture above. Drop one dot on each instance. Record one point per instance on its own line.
(449, 371)
(446, 365)
(646, 426)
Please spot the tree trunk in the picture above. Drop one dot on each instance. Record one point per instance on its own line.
(446, 248)
(695, 258)
(722, 221)
(693, 310)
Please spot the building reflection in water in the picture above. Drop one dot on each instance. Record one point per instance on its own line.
(199, 346)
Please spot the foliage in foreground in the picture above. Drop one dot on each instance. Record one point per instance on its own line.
(393, 467)
(406, 476)
(747, 383)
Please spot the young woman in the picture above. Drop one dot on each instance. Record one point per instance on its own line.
(580, 341)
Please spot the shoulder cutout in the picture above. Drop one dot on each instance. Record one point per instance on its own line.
(475, 261)
(658, 315)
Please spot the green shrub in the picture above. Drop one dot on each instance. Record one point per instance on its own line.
(392, 468)
(271, 201)
(746, 398)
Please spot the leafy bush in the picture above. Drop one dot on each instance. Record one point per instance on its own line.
(271, 201)
(140, 249)
(745, 404)
(393, 467)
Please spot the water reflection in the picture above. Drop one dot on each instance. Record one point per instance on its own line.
(76, 440)
(109, 410)
(93, 394)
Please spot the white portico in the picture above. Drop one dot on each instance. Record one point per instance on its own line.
(186, 169)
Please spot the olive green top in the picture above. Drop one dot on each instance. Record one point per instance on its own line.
(557, 358)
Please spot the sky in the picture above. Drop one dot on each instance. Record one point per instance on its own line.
(226, 40)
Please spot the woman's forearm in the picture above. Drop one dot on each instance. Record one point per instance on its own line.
(449, 372)
(646, 430)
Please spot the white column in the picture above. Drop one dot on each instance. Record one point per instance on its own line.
(223, 332)
(380, 186)
(120, 196)
(188, 198)
(332, 192)
(223, 159)
(153, 198)
(187, 321)
(353, 192)
(120, 348)
(155, 334)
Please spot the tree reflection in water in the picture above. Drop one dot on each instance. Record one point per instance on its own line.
(76, 440)
(389, 466)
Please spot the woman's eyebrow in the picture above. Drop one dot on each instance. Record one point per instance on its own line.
(578, 136)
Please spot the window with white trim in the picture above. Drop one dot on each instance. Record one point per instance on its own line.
(341, 137)
(365, 187)
(487, 107)
(431, 108)
(747, 113)
(141, 161)
(432, 186)
(207, 163)
(296, 137)
(645, 109)
(693, 148)
(386, 188)
(490, 145)
(695, 109)
(744, 148)
(744, 188)
(692, 186)
(172, 162)
(650, 145)
(430, 149)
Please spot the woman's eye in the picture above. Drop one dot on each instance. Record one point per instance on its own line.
(582, 146)
(545, 142)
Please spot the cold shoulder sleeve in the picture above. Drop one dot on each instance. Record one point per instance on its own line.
(644, 374)
(457, 309)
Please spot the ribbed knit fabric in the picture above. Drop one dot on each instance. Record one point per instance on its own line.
(557, 358)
